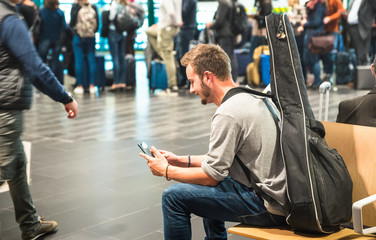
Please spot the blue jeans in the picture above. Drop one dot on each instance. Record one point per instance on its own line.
(84, 56)
(228, 201)
(44, 46)
(116, 42)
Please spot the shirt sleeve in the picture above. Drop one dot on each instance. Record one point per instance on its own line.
(223, 145)
(16, 38)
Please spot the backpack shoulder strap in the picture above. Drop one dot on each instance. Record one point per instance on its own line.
(237, 90)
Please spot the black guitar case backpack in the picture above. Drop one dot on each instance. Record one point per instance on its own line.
(319, 185)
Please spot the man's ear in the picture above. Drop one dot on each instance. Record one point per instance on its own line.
(373, 70)
(208, 76)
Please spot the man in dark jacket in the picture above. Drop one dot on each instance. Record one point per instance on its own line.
(223, 32)
(18, 57)
(360, 110)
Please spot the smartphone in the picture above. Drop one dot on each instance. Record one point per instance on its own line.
(145, 149)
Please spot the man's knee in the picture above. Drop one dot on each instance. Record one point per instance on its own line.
(175, 193)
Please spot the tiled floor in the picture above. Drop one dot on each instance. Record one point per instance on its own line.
(86, 173)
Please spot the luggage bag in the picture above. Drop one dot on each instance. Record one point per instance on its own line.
(158, 75)
(130, 62)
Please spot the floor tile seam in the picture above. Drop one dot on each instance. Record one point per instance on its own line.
(70, 233)
(114, 219)
(35, 200)
(41, 138)
(145, 235)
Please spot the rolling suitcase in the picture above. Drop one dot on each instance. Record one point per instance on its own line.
(130, 75)
(242, 56)
(265, 69)
(158, 75)
(364, 78)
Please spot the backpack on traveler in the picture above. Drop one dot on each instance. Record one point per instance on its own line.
(139, 14)
(86, 21)
(239, 18)
(125, 21)
(319, 186)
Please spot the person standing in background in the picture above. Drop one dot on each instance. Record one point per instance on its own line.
(20, 69)
(29, 11)
(223, 32)
(161, 37)
(360, 110)
(296, 14)
(334, 11)
(186, 34)
(84, 43)
(367, 13)
(116, 41)
(52, 27)
(139, 12)
(353, 27)
(264, 8)
(313, 26)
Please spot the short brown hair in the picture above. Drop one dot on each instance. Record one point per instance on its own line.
(208, 57)
(51, 4)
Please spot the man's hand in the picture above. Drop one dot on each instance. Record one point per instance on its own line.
(72, 109)
(172, 158)
(158, 163)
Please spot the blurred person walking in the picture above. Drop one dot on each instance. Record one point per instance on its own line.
(18, 57)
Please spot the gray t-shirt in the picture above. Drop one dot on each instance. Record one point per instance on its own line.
(244, 126)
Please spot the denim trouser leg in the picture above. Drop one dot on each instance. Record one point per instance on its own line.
(88, 45)
(116, 42)
(227, 201)
(13, 169)
(43, 47)
(316, 69)
(78, 59)
(214, 229)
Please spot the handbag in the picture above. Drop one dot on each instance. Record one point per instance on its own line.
(321, 44)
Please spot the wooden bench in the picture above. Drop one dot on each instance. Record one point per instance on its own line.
(357, 146)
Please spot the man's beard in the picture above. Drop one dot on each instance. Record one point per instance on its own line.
(205, 93)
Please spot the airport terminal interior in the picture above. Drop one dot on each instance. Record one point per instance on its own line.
(86, 173)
